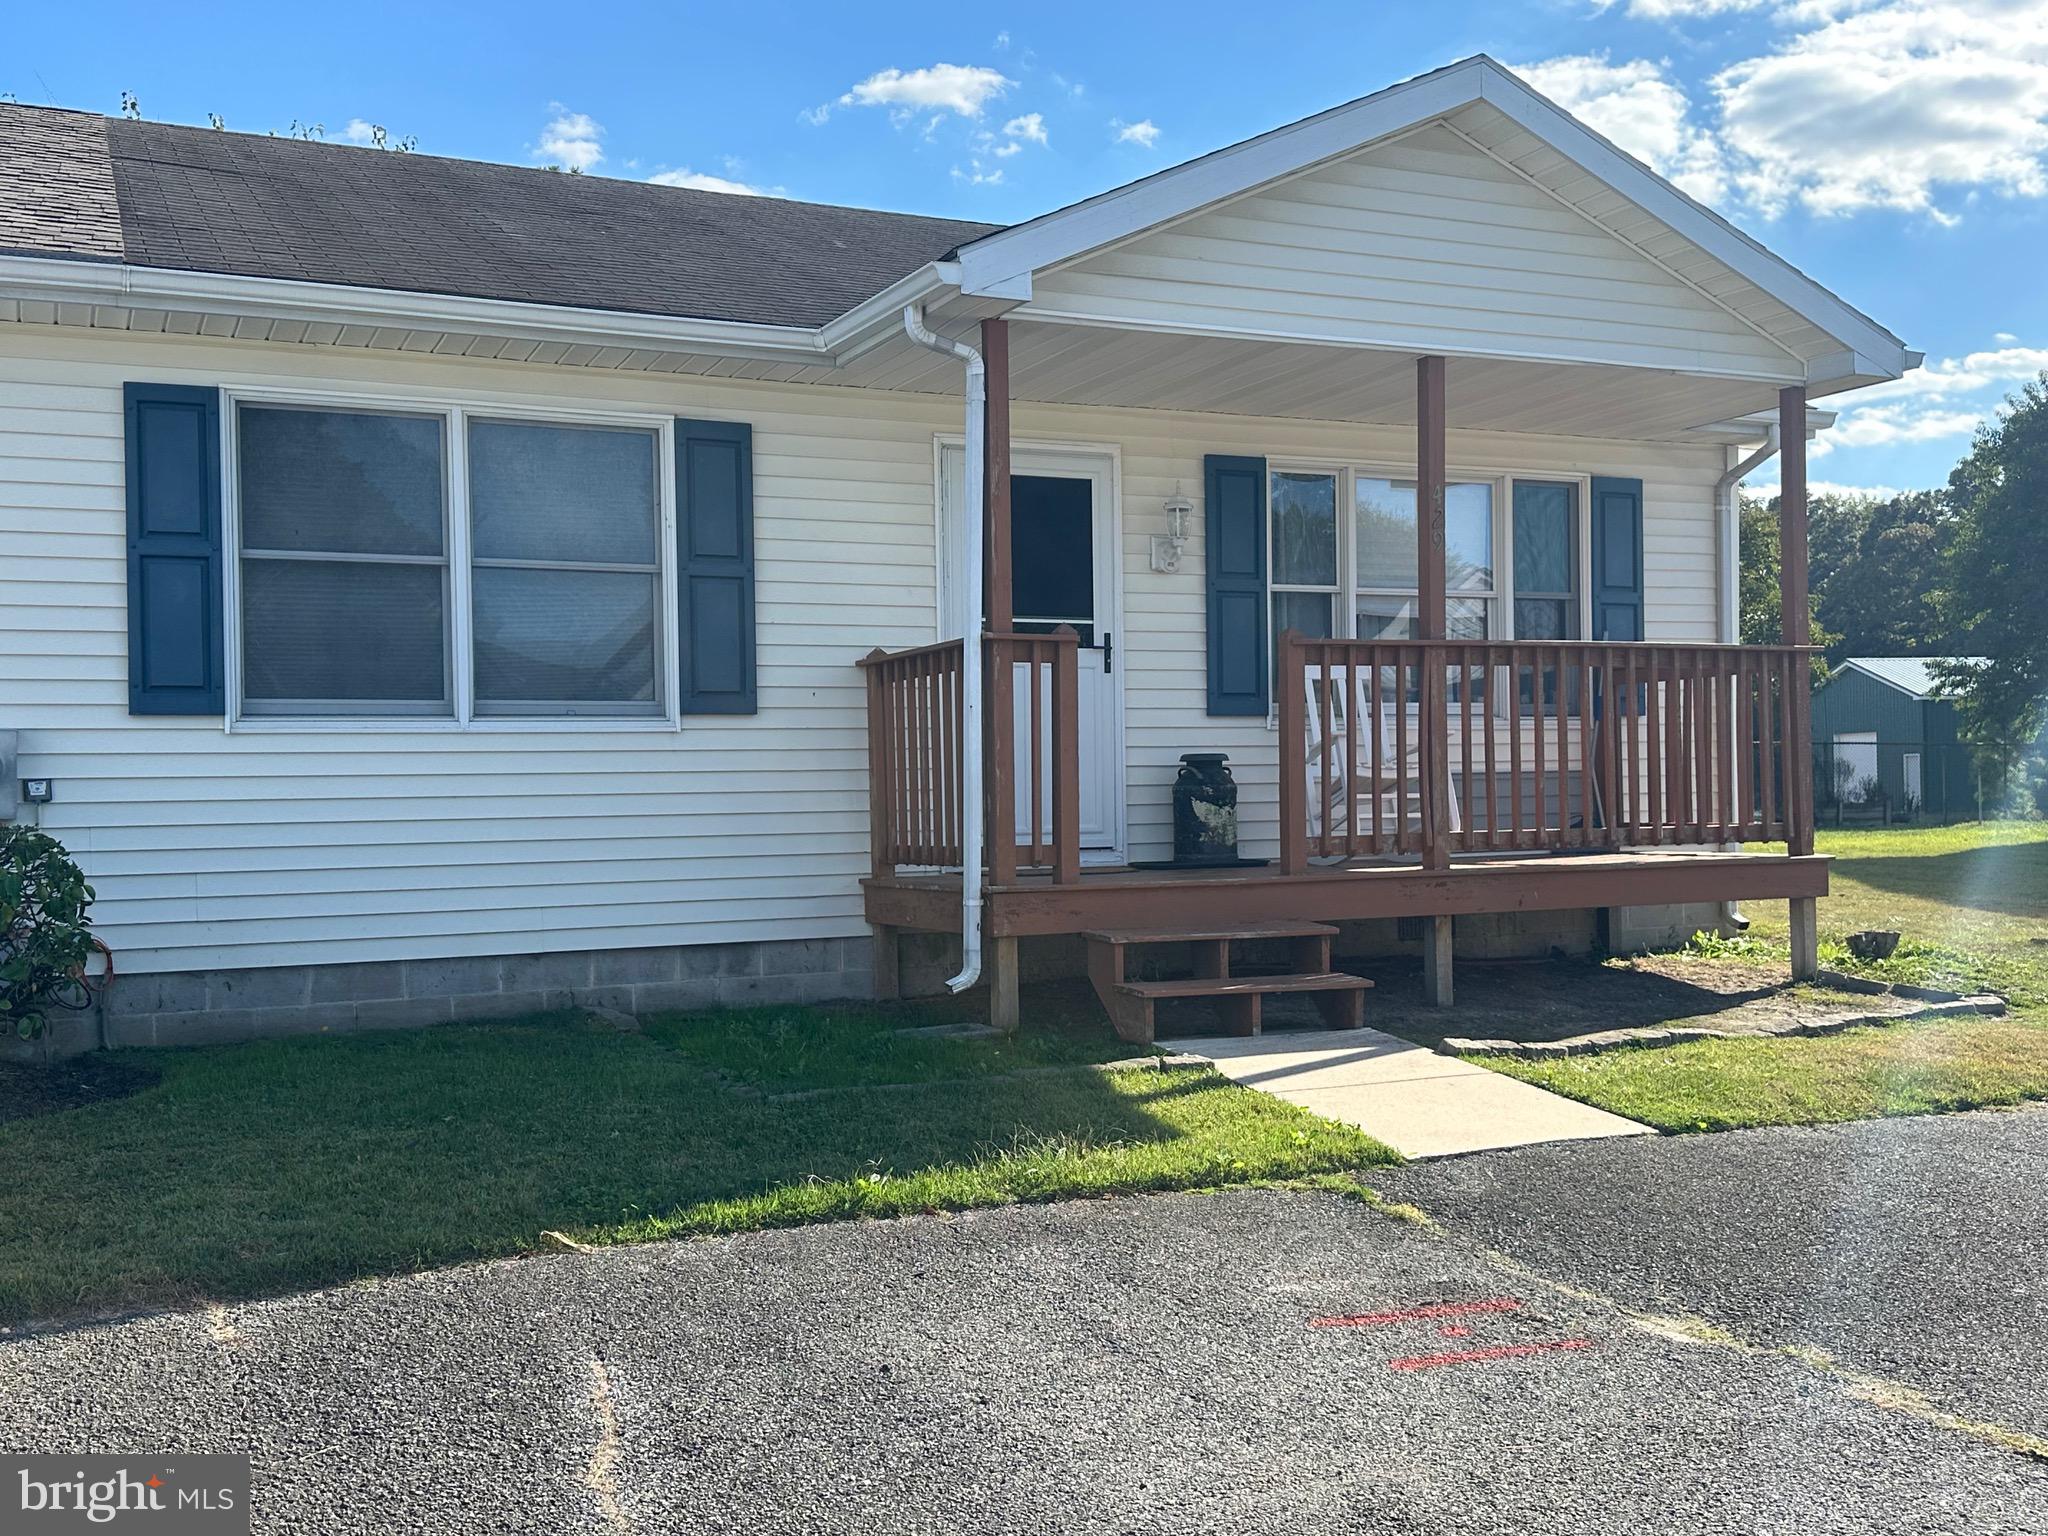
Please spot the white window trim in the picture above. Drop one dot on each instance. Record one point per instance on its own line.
(455, 411)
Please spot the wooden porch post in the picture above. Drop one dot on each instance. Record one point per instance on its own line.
(999, 678)
(1292, 738)
(995, 480)
(1430, 617)
(1792, 596)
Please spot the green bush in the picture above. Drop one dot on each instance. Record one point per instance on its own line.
(45, 934)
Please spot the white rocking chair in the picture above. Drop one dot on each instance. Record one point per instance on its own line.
(1396, 785)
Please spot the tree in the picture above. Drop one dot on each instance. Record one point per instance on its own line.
(1761, 597)
(1875, 565)
(1989, 593)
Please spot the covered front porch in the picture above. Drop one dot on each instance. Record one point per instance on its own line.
(1426, 778)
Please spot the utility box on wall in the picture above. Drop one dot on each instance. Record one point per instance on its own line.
(10, 782)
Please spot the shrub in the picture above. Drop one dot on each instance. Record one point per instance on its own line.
(45, 933)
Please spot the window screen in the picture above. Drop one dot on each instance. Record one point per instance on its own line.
(566, 576)
(344, 564)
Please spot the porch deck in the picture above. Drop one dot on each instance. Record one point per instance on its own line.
(1418, 776)
(1033, 903)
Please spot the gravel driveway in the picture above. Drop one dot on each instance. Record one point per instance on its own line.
(1132, 1365)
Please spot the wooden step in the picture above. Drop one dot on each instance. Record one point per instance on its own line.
(1211, 935)
(1241, 986)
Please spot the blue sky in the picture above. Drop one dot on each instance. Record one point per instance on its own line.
(1895, 149)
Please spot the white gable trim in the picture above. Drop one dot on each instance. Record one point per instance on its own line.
(1705, 228)
(996, 259)
(1000, 264)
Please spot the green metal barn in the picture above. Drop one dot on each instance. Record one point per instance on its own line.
(1885, 744)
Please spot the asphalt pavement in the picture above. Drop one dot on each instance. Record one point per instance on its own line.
(1912, 1249)
(1138, 1365)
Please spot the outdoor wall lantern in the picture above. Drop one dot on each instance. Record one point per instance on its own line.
(1166, 551)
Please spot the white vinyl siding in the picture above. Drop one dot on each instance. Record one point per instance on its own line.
(311, 846)
(1420, 243)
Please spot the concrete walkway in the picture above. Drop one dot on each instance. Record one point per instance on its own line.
(1417, 1102)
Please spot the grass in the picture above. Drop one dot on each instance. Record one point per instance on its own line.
(254, 1169)
(1971, 904)
(1721, 1085)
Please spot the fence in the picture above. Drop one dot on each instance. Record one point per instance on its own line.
(1860, 779)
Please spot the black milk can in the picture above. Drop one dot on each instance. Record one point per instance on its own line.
(1204, 810)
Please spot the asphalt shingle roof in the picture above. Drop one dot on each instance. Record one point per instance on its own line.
(191, 199)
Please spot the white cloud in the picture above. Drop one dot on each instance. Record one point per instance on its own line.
(360, 131)
(1764, 490)
(1002, 40)
(1641, 109)
(704, 181)
(570, 140)
(964, 89)
(1879, 426)
(1028, 129)
(1679, 10)
(1881, 105)
(1143, 133)
(979, 175)
(2003, 336)
(1931, 404)
(1017, 132)
(1968, 374)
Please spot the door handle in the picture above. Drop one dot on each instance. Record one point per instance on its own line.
(1108, 651)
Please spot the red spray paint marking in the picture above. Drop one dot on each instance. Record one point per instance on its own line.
(1417, 1314)
(1498, 1352)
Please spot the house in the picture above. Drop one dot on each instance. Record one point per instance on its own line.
(434, 589)
(1887, 745)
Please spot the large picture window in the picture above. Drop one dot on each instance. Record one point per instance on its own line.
(1513, 577)
(384, 575)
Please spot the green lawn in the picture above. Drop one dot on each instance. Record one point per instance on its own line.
(254, 1169)
(1972, 905)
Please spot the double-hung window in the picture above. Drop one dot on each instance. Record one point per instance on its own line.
(452, 564)
(1308, 589)
(345, 579)
(565, 558)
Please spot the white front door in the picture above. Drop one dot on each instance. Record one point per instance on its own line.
(1913, 796)
(1064, 570)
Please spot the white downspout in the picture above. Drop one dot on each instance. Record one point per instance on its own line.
(1728, 526)
(971, 831)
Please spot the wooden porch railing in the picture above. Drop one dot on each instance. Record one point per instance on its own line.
(1430, 748)
(1030, 684)
(914, 755)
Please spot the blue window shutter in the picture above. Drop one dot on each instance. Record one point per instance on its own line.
(1617, 558)
(1234, 500)
(175, 623)
(715, 566)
